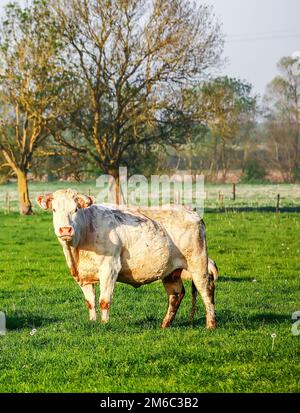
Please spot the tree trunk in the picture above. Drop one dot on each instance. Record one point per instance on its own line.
(24, 201)
(298, 149)
(118, 189)
(223, 160)
(245, 156)
(118, 195)
(213, 164)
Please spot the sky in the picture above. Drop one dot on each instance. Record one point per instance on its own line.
(257, 34)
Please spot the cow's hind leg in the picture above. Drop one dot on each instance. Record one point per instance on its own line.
(175, 291)
(204, 283)
(90, 298)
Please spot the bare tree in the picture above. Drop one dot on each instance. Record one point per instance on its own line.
(226, 106)
(34, 88)
(132, 56)
(283, 115)
(278, 140)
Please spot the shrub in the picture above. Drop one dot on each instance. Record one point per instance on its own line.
(253, 171)
(296, 174)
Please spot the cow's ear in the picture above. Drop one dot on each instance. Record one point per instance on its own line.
(45, 201)
(84, 201)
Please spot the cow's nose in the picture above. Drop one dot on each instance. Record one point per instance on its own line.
(66, 231)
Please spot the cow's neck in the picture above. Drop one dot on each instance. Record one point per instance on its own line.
(72, 256)
(72, 253)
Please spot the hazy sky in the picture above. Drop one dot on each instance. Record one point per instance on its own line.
(258, 33)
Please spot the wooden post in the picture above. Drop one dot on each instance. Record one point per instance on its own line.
(278, 204)
(221, 201)
(233, 192)
(7, 202)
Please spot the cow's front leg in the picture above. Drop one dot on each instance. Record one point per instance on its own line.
(108, 278)
(90, 298)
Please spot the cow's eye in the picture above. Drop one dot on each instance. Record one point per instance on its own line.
(75, 210)
(54, 210)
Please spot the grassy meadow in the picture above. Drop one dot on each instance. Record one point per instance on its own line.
(258, 290)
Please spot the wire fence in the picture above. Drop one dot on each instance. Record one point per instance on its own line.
(225, 197)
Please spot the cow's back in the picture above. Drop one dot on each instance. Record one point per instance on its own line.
(184, 226)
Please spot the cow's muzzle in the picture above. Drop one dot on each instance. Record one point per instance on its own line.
(66, 233)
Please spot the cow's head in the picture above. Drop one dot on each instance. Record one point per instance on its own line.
(67, 206)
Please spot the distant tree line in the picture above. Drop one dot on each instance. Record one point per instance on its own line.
(256, 140)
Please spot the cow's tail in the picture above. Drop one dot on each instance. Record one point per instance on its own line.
(214, 272)
(194, 299)
(213, 269)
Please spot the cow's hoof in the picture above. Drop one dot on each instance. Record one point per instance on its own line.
(211, 325)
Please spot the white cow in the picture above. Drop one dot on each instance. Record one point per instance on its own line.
(134, 246)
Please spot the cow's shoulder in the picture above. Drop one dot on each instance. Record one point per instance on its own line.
(117, 216)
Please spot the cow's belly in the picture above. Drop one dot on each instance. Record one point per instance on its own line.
(142, 263)
(145, 262)
(138, 273)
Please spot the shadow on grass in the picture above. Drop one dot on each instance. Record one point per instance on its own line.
(290, 209)
(149, 323)
(235, 279)
(242, 321)
(24, 321)
(270, 318)
(225, 319)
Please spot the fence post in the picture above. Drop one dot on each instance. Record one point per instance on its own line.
(7, 203)
(278, 204)
(221, 201)
(233, 192)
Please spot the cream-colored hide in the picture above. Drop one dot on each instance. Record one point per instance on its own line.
(134, 246)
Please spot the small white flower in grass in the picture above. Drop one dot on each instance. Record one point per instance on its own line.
(33, 331)
(254, 281)
(273, 336)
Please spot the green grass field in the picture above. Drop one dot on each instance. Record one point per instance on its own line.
(258, 290)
